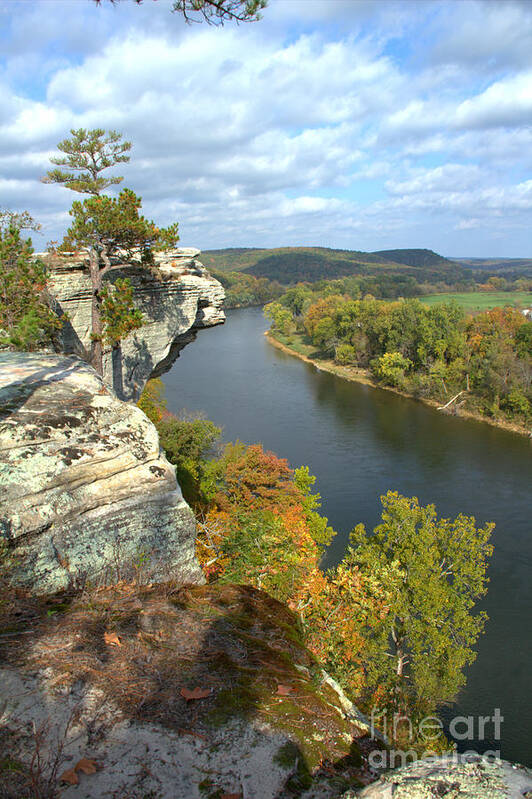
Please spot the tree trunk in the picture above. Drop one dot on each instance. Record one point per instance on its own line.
(96, 316)
(400, 654)
(453, 399)
(400, 662)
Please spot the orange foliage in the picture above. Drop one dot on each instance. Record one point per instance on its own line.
(257, 479)
(259, 531)
(498, 323)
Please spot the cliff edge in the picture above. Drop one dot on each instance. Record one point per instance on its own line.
(85, 491)
(176, 296)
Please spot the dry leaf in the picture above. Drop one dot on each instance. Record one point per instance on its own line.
(231, 796)
(284, 690)
(196, 693)
(112, 639)
(86, 766)
(69, 776)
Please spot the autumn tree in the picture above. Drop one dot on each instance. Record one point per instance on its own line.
(27, 321)
(262, 526)
(107, 227)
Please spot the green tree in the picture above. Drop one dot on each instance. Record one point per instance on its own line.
(27, 321)
(391, 368)
(107, 227)
(282, 320)
(119, 315)
(434, 570)
(523, 340)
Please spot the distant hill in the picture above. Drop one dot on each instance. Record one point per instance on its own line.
(514, 267)
(297, 264)
(417, 258)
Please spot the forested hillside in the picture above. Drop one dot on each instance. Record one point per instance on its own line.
(415, 257)
(288, 265)
(509, 267)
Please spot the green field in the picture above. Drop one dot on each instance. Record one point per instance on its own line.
(482, 300)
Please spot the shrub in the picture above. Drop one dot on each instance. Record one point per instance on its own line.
(345, 354)
(390, 368)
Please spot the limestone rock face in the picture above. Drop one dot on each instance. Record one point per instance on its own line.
(177, 297)
(466, 776)
(84, 488)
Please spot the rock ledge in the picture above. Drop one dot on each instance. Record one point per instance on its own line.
(84, 489)
(177, 297)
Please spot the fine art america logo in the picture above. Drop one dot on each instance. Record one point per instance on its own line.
(429, 730)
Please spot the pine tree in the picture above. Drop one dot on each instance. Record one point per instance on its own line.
(106, 226)
(27, 321)
(87, 154)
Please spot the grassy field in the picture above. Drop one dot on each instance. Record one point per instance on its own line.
(482, 300)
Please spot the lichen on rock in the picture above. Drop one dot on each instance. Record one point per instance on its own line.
(85, 492)
(453, 777)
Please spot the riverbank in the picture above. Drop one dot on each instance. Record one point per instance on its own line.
(357, 375)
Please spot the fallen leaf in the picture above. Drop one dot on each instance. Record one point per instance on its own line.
(231, 796)
(196, 693)
(112, 639)
(284, 690)
(69, 776)
(86, 766)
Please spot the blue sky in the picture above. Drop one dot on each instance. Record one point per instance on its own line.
(360, 124)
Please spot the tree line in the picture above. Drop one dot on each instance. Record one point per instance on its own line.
(435, 352)
(250, 287)
(244, 291)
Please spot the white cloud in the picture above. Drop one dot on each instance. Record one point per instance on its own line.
(505, 103)
(329, 122)
(485, 35)
(440, 180)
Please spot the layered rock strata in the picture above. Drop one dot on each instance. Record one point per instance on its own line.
(177, 297)
(84, 489)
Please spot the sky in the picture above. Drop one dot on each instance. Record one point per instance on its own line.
(357, 124)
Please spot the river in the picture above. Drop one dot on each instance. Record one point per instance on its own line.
(360, 442)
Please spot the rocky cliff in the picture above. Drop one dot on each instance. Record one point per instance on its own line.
(177, 297)
(84, 488)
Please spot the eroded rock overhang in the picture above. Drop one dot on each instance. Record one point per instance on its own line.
(177, 297)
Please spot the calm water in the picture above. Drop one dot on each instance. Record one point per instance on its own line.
(360, 442)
